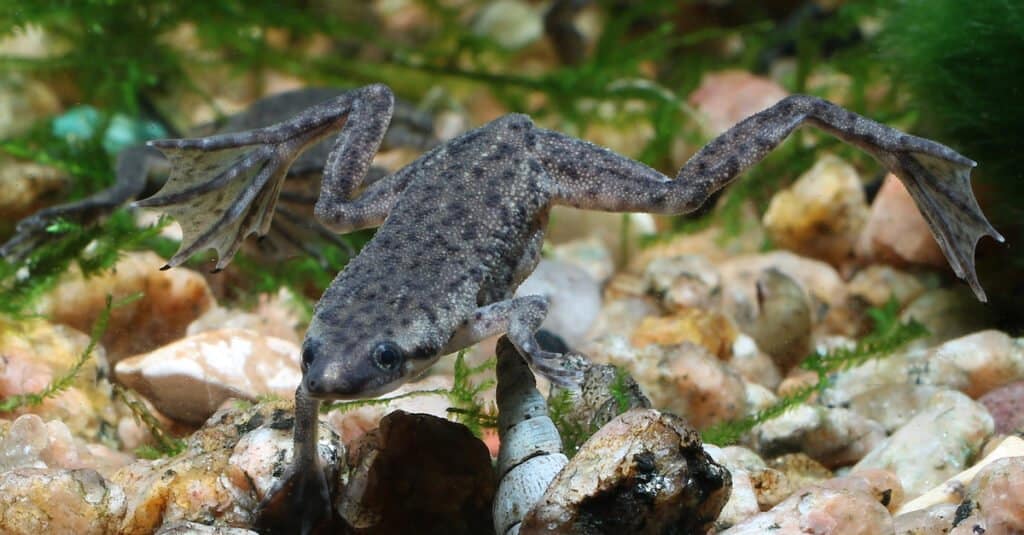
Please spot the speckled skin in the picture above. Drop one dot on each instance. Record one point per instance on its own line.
(462, 226)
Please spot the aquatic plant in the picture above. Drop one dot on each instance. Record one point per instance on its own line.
(888, 334)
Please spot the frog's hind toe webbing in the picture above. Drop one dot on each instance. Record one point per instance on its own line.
(218, 196)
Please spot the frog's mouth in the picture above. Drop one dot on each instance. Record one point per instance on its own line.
(359, 381)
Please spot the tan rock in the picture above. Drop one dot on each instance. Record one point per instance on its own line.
(896, 231)
(686, 379)
(711, 330)
(848, 505)
(189, 379)
(171, 300)
(34, 353)
(50, 500)
(821, 214)
(25, 188)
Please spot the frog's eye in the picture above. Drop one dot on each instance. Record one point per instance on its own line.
(387, 356)
(307, 358)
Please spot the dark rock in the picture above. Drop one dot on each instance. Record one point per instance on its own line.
(418, 473)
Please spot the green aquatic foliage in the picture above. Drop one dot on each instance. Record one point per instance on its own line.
(164, 445)
(887, 335)
(961, 62)
(93, 248)
(573, 431)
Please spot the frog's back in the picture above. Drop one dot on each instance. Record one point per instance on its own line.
(458, 231)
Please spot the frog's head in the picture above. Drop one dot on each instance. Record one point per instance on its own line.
(355, 363)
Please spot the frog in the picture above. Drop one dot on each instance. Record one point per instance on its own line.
(459, 228)
(139, 171)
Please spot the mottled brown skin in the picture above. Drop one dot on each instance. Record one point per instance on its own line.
(462, 226)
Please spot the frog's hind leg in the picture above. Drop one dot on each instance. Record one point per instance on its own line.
(225, 187)
(132, 172)
(588, 176)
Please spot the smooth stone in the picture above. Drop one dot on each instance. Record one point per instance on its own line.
(170, 301)
(994, 501)
(821, 214)
(896, 232)
(574, 298)
(189, 379)
(935, 444)
(832, 436)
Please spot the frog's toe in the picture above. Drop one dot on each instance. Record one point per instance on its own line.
(939, 181)
(218, 195)
(299, 503)
(556, 368)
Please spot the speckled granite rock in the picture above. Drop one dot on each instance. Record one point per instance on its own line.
(935, 444)
(228, 466)
(29, 442)
(189, 379)
(994, 501)
(643, 472)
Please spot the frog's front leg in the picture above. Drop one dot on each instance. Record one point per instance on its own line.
(588, 176)
(519, 318)
(301, 500)
(224, 187)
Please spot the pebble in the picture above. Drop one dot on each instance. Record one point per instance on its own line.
(782, 327)
(227, 467)
(34, 353)
(821, 214)
(727, 97)
(189, 379)
(405, 478)
(893, 405)
(953, 490)
(820, 281)
(276, 315)
(1006, 405)
(643, 472)
(684, 379)
(851, 505)
(170, 300)
(832, 436)
(876, 284)
(947, 314)
(574, 297)
(994, 501)
(935, 444)
(26, 187)
(896, 232)
(509, 23)
(684, 281)
(974, 364)
(753, 364)
(712, 330)
(620, 317)
(589, 254)
(770, 486)
(24, 102)
(29, 442)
